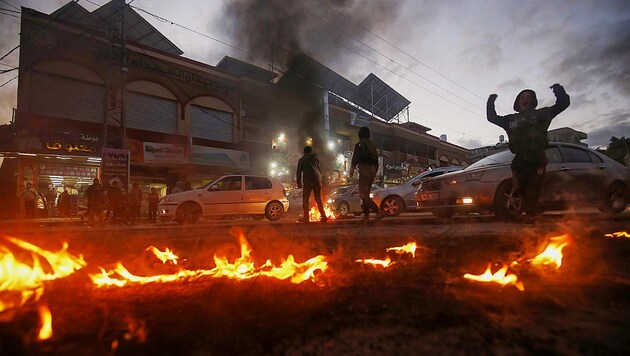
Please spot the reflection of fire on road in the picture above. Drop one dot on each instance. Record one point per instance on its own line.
(618, 234)
(243, 267)
(499, 277)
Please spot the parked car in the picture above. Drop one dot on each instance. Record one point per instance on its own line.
(229, 195)
(576, 176)
(345, 200)
(395, 200)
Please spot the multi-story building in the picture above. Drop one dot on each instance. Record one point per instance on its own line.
(90, 81)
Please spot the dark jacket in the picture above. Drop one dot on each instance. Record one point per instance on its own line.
(365, 153)
(527, 130)
(308, 166)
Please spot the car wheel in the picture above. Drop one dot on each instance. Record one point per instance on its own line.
(274, 211)
(343, 209)
(393, 206)
(188, 213)
(508, 204)
(443, 213)
(616, 199)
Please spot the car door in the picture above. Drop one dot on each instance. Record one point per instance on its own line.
(256, 195)
(588, 178)
(224, 197)
(554, 190)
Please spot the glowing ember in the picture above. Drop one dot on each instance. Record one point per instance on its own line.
(45, 316)
(314, 215)
(552, 255)
(408, 248)
(165, 256)
(24, 281)
(372, 261)
(618, 234)
(242, 268)
(499, 277)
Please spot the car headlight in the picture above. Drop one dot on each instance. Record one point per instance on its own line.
(330, 201)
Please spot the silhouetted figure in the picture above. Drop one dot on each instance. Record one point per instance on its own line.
(366, 158)
(309, 176)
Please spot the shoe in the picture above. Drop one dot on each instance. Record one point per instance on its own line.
(381, 214)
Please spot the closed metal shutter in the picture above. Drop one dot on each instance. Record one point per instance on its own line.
(56, 96)
(151, 113)
(211, 124)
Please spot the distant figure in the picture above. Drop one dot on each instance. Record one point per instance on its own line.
(63, 204)
(114, 197)
(527, 134)
(51, 196)
(153, 199)
(135, 202)
(30, 201)
(95, 200)
(309, 171)
(188, 186)
(178, 188)
(366, 158)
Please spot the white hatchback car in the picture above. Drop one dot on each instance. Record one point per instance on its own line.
(229, 195)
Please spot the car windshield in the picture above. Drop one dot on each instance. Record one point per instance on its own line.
(205, 186)
(497, 158)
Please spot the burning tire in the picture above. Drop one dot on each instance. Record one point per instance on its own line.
(188, 213)
(393, 206)
(508, 204)
(616, 199)
(343, 209)
(274, 211)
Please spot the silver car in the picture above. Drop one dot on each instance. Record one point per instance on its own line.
(228, 195)
(576, 176)
(345, 200)
(395, 200)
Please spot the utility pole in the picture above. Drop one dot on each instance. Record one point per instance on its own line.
(114, 126)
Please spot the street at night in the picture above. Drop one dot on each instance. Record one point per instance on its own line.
(412, 305)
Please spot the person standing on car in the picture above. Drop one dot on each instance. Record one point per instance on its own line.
(309, 176)
(527, 135)
(366, 158)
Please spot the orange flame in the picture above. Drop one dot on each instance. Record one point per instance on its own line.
(45, 316)
(618, 234)
(376, 262)
(552, 255)
(24, 281)
(499, 277)
(408, 248)
(242, 268)
(165, 256)
(314, 215)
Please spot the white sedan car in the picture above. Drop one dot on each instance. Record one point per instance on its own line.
(229, 195)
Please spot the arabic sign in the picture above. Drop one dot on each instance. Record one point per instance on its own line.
(220, 157)
(153, 152)
(359, 119)
(397, 169)
(69, 142)
(68, 170)
(115, 166)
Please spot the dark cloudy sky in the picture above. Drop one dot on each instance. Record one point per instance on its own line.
(446, 57)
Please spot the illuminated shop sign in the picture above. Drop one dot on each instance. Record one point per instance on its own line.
(68, 170)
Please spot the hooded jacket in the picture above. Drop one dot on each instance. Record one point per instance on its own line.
(365, 153)
(527, 130)
(308, 167)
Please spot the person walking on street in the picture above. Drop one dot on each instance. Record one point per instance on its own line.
(114, 197)
(95, 201)
(30, 201)
(135, 203)
(153, 199)
(63, 204)
(309, 176)
(528, 140)
(366, 158)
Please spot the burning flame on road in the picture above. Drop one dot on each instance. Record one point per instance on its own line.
(501, 277)
(45, 332)
(552, 255)
(165, 256)
(618, 234)
(408, 248)
(314, 215)
(242, 268)
(376, 262)
(21, 281)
